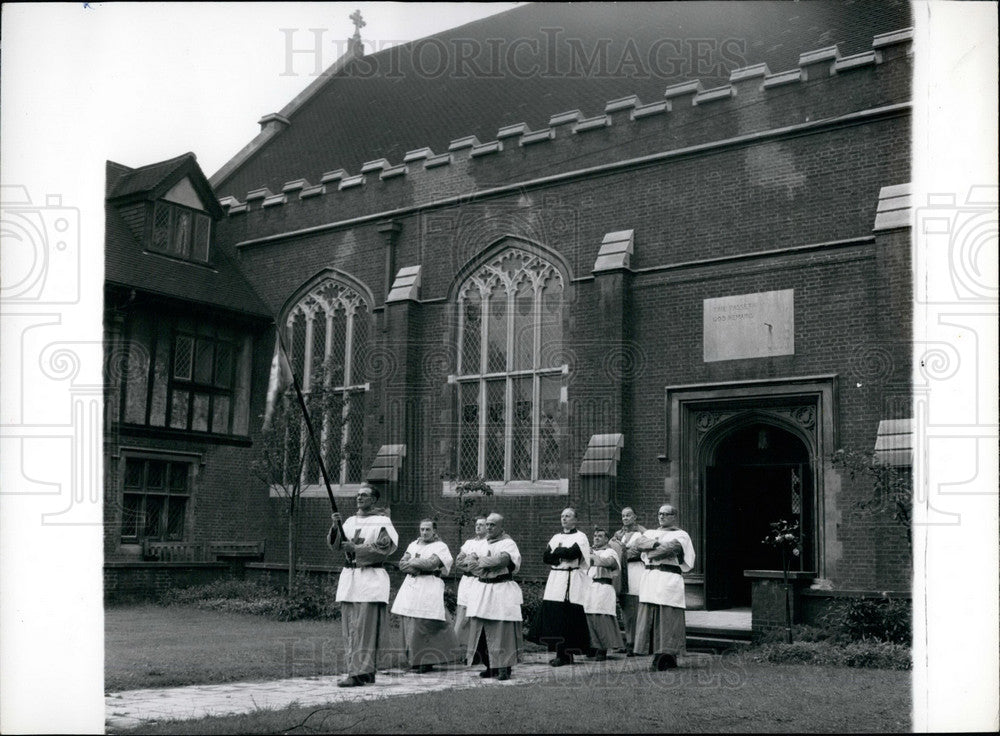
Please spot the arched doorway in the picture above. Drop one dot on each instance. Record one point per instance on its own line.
(755, 472)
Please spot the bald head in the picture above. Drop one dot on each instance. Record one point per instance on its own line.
(494, 526)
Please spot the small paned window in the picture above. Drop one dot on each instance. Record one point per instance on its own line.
(155, 500)
(181, 232)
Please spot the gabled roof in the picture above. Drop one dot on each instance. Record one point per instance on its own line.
(154, 180)
(127, 263)
(535, 61)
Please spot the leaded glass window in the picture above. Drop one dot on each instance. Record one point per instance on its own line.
(181, 232)
(509, 379)
(331, 327)
(154, 500)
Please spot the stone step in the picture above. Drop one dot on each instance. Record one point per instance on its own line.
(712, 644)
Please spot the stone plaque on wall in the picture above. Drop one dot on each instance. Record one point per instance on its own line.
(749, 325)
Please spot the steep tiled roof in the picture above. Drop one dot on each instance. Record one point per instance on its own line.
(127, 263)
(532, 62)
(146, 178)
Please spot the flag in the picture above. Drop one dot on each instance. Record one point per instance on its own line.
(279, 381)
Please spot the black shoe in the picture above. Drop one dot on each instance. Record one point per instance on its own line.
(601, 656)
(630, 653)
(353, 681)
(488, 673)
(669, 662)
(559, 661)
(503, 673)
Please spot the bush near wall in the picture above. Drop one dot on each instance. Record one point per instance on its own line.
(868, 653)
(311, 600)
(859, 632)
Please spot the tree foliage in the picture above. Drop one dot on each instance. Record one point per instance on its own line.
(286, 456)
(886, 489)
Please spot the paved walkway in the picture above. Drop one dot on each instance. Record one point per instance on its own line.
(137, 707)
(733, 619)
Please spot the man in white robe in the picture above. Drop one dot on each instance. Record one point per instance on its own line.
(632, 571)
(468, 557)
(427, 634)
(561, 623)
(667, 552)
(363, 589)
(601, 608)
(494, 608)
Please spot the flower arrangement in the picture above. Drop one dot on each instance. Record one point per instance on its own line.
(784, 535)
(475, 485)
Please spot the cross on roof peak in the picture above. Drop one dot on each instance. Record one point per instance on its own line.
(358, 22)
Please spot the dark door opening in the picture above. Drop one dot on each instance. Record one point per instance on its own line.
(760, 474)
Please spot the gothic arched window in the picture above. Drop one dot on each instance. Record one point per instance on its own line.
(330, 326)
(510, 385)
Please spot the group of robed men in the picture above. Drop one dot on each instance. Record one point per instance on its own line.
(578, 614)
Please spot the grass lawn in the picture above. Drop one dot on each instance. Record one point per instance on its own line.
(736, 698)
(157, 646)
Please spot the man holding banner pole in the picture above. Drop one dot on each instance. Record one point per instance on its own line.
(367, 539)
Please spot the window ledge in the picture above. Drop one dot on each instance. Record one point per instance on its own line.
(347, 490)
(147, 430)
(558, 487)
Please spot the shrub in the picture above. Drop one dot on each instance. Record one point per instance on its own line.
(310, 600)
(878, 654)
(808, 634)
(532, 591)
(884, 619)
(868, 654)
(225, 589)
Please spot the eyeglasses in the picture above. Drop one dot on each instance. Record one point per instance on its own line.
(666, 513)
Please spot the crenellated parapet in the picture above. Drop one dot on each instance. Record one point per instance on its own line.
(823, 86)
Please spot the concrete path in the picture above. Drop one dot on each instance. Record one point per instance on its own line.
(137, 707)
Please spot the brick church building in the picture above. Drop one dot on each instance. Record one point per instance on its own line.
(596, 258)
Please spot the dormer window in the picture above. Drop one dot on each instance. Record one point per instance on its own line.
(181, 232)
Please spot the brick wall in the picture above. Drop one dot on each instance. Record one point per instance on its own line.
(126, 582)
(719, 220)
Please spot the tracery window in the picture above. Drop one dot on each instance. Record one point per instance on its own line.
(509, 378)
(331, 326)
